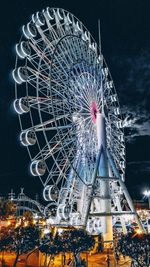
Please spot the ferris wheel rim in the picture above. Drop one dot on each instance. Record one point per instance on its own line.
(38, 104)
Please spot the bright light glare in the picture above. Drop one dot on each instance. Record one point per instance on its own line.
(147, 193)
(46, 231)
(139, 232)
(60, 231)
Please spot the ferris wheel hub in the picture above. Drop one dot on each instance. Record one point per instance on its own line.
(93, 110)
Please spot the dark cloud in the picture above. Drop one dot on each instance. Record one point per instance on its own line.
(130, 132)
(142, 120)
(144, 166)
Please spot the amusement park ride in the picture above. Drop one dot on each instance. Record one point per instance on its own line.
(71, 123)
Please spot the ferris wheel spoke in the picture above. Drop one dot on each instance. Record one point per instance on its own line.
(59, 86)
(42, 77)
(77, 88)
(43, 50)
(54, 35)
(88, 81)
(88, 123)
(69, 48)
(52, 128)
(99, 92)
(94, 87)
(58, 146)
(78, 104)
(78, 46)
(58, 68)
(46, 40)
(85, 92)
(50, 124)
(56, 172)
(65, 166)
(45, 109)
(79, 97)
(44, 103)
(33, 60)
(58, 60)
(34, 73)
(86, 87)
(83, 99)
(61, 26)
(57, 167)
(42, 56)
(61, 171)
(74, 46)
(52, 148)
(50, 29)
(62, 57)
(43, 151)
(35, 100)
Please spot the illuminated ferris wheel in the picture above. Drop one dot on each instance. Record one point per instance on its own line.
(62, 88)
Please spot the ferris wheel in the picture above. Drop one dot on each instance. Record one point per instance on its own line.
(62, 83)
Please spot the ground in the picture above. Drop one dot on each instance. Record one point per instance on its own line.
(95, 260)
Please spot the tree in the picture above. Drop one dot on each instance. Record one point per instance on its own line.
(25, 239)
(28, 217)
(76, 241)
(136, 246)
(50, 246)
(5, 241)
(7, 208)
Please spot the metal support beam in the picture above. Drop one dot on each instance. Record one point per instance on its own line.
(114, 213)
(125, 191)
(108, 178)
(92, 186)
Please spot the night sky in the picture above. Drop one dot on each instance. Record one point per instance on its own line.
(125, 34)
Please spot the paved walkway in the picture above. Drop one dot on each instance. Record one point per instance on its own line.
(95, 260)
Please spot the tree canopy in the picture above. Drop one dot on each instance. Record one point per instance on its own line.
(19, 240)
(76, 241)
(7, 208)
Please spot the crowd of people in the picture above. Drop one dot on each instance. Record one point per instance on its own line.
(136, 246)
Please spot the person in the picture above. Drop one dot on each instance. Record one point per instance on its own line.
(117, 257)
(100, 243)
(64, 259)
(83, 263)
(69, 262)
(132, 263)
(108, 260)
(52, 260)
